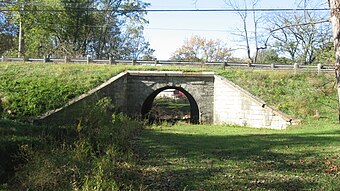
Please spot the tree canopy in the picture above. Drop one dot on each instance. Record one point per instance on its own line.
(199, 49)
(55, 28)
(300, 37)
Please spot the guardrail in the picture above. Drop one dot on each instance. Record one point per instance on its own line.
(273, 66)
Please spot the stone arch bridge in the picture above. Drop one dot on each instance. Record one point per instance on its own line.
(213, 99)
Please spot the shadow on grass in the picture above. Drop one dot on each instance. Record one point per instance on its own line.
(240, 162)
(12, 136)
(15, 136)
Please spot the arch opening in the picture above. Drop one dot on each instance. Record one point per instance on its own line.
(149, 101)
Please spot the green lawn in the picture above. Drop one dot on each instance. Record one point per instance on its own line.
(187, 157)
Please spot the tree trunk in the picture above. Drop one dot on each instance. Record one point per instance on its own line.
(335, 19)
(247, 39)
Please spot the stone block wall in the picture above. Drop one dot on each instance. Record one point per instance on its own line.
(114, 88)
(199, 85)
(233, 105)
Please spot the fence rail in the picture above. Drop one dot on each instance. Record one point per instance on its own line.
(273, 66)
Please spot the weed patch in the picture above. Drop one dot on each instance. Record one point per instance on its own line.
(95, 155)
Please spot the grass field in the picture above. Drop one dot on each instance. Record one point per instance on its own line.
(181, 157)
(186, 157)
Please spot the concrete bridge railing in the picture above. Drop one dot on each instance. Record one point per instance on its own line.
(319, 68)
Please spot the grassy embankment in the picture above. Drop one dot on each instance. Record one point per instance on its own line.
(91, 156)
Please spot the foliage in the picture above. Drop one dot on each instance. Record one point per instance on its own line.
(170, 109)
(325, 54)
(271, 56)
(199, 49)
(12, 135)
(57, 28)
(134, 45)
(7, 34)
(296, 36)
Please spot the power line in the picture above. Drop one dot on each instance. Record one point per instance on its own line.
(237, 10)
(193, 30)
(170, 10)
(170, 29)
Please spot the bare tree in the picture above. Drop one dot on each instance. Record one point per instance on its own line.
(256, 21)
(245, 18)
(300, 35)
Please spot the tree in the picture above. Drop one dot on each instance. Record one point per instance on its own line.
(335, 19)
(325, 54)
(271, 56)
(120, 26)
(199, 49)
(245, 32)
(299, 35)
(134, 45)
(267, 56)
(78, 28)
(7, 34)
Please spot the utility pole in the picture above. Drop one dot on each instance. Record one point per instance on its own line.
(21, 43)
(334, 6)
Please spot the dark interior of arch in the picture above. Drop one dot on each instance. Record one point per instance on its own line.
(194, 112)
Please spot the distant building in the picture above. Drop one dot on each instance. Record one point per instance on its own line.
(171, 93)
(179, 94)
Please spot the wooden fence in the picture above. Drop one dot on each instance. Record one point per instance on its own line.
(273, 66)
